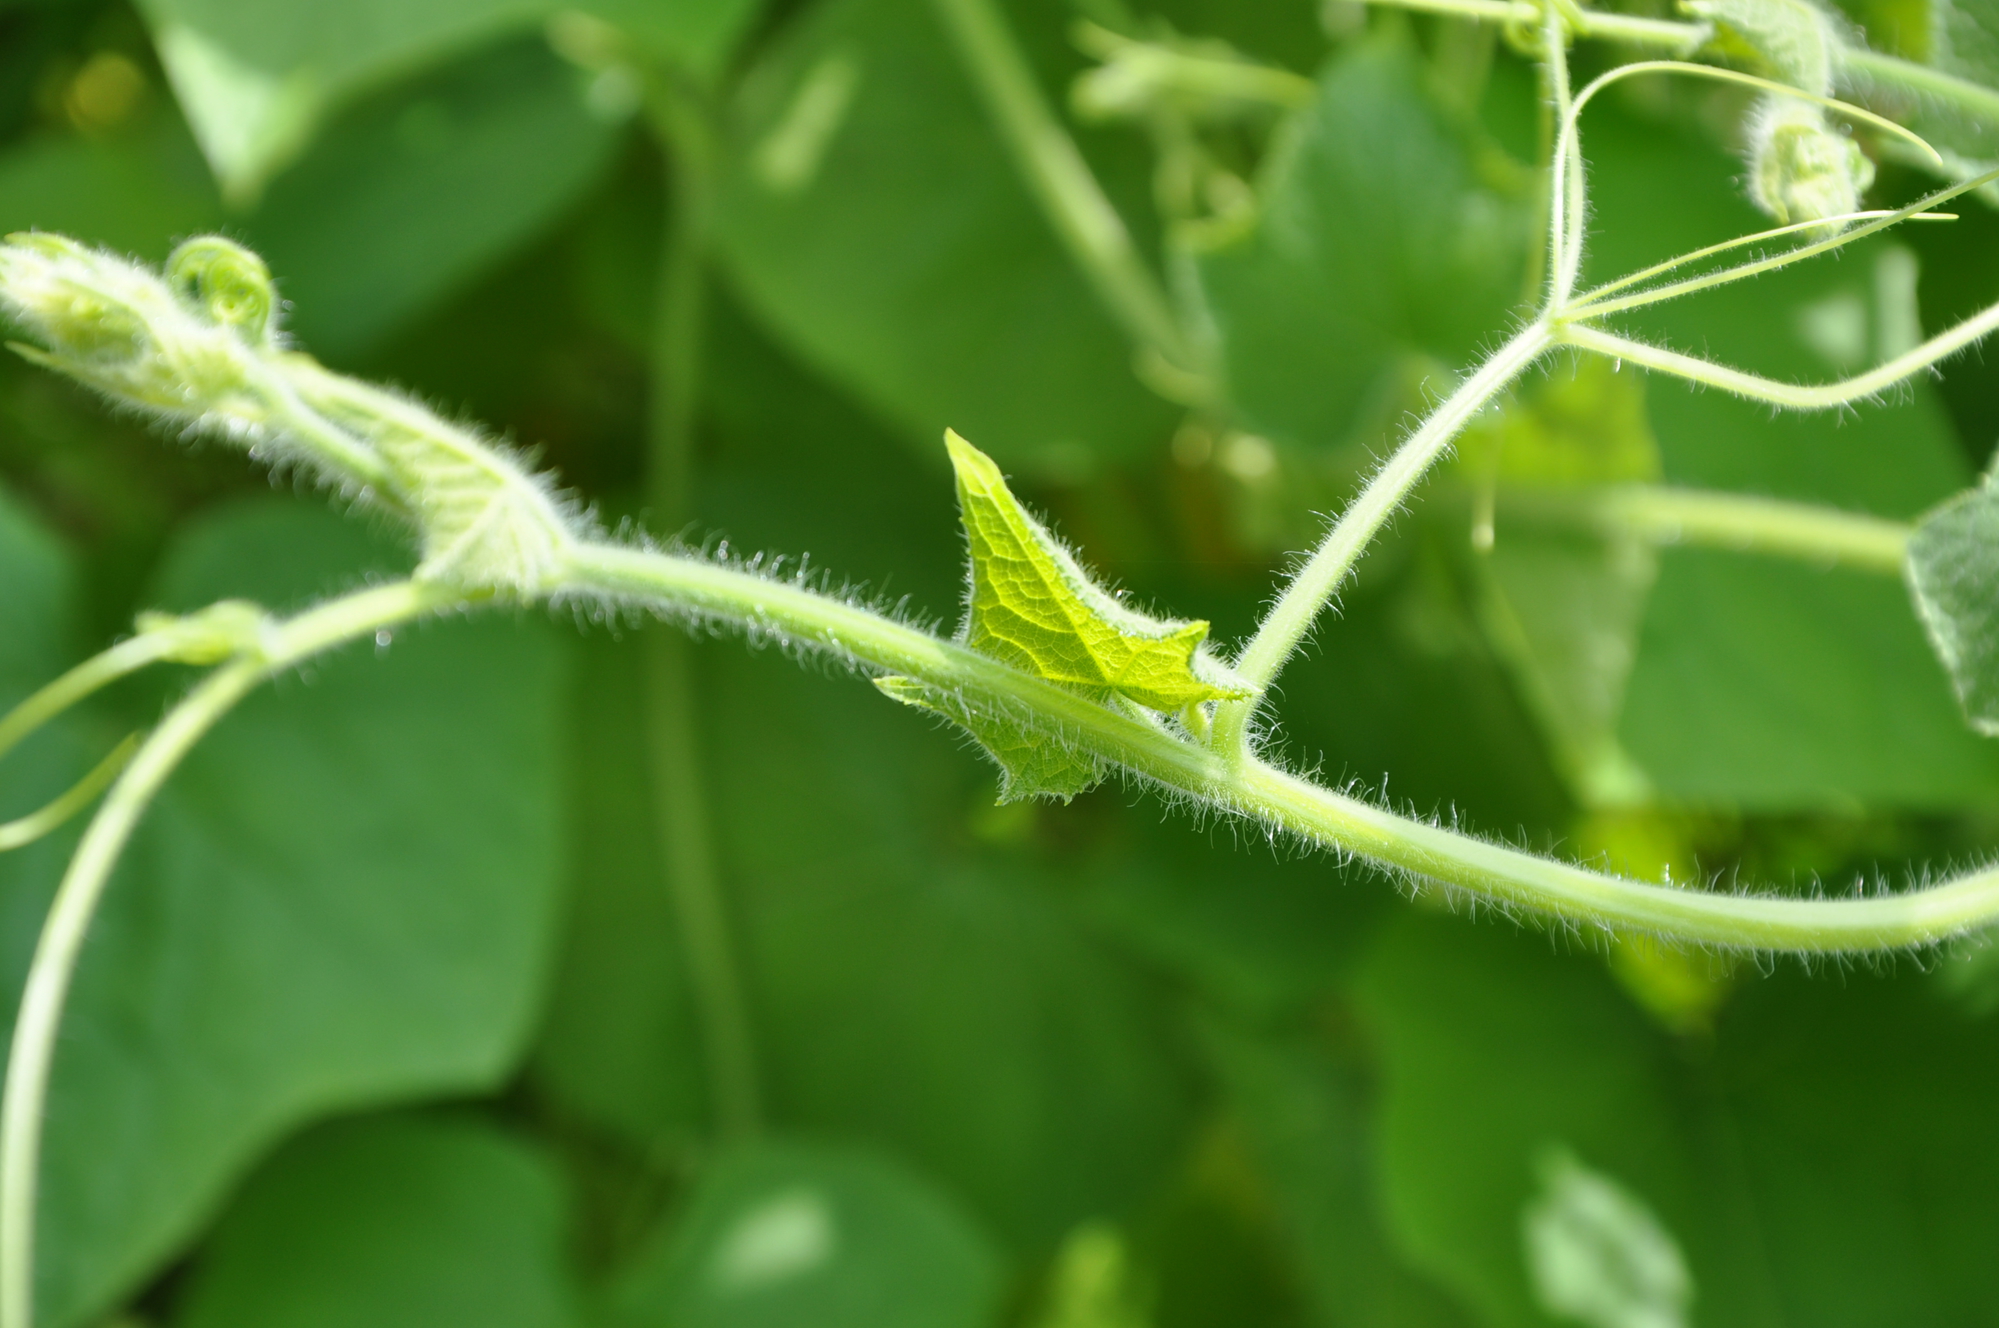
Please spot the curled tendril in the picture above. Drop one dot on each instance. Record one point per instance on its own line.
(230, 629)
(227, 283)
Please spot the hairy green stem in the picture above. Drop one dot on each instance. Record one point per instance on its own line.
(1422, 852)
(1089, 227)
(54, 963)
(1315, 583)
(1795, 396)
(681, 816)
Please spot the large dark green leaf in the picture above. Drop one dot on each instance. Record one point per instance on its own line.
(413, 193)
(395, 1222)
(919, 991)
(1562, 607)
(1750, 1150)
(1306, 1116)
(871, 216)
(1378, 238)
(38, 584)
(344, 897)
(619, 1045)
(135, 193)
(782, 1234)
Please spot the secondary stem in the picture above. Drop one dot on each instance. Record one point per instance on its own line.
(1873, 69)
(682, 817)
(1315, 584)
(1089, 227)
(1736, 522)
(54, 963)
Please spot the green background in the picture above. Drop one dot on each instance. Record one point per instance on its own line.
(388, 1018)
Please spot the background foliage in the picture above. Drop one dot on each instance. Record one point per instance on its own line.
(390, 1017)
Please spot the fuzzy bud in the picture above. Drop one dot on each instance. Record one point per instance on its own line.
(1800, 167)
(119, 328)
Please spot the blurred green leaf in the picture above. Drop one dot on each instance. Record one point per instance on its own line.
(134, 193)
(344, 897)
(919, 990)
(1759, 684)
(872, 218)
(1562, 608)
(1307, 1118)
(783, 1234)
(1954, 576)
(393, 1222)
(619, 1045)
(415, 192)
(1962, 39)
(38, 586)
(258, 77)
(1259, 936)
(1559, 1059)
(1382, 234)
(34, 612)
(1745, 1148)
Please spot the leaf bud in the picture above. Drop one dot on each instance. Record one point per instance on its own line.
(117, 327)
(1801, 168)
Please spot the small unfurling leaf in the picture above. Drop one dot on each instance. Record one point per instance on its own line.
(1034, 607)
(1033, 763)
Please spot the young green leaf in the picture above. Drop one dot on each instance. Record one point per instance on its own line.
(1954, 579)
(1034, 607)
(1033, 764)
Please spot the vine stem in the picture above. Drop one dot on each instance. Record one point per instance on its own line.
(1663, 34)
(54, 962)
(1089, 227)
(1794, 396)
(1421, 853)
(1315, 583)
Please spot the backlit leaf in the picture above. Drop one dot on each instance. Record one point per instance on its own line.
(1035, 608)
